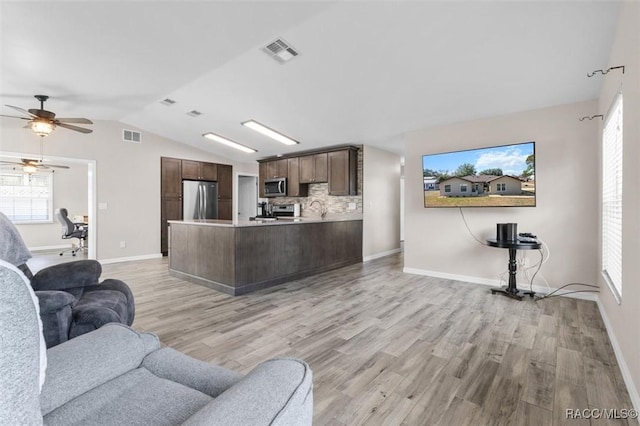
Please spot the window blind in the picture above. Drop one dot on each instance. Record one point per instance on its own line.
(612, 197)
(26, 198)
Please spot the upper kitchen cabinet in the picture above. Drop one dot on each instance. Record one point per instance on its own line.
(171, 177)
(276, 168)
(343, 172)
(198, 170)
(313, 168)
(294, 189)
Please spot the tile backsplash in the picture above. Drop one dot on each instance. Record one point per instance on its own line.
(334, 204)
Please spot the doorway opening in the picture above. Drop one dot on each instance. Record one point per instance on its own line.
(88, 210)
(247, 196)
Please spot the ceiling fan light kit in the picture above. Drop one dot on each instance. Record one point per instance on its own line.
(42, 127)
(269, 132)
(43, 122)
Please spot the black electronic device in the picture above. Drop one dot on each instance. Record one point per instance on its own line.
(507, 231)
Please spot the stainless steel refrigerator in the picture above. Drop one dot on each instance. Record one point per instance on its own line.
(199, 200)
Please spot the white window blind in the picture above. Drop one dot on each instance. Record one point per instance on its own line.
(26, 198)
(612, 197)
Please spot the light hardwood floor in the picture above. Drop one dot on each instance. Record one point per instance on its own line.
(388, 348)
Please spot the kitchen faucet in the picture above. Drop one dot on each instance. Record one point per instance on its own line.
(323, 210)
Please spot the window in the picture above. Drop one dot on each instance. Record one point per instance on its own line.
(447, 188)
(501, 187)
(463, 187)
(612, 198)
(26, 198)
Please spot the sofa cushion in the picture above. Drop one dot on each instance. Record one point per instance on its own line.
(135, 398)
(90, 360)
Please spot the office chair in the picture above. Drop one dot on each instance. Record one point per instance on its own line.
(71, 230)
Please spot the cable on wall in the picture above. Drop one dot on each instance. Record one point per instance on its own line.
(469, 229)
(605, 72)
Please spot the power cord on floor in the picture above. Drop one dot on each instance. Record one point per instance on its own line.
(553, 293)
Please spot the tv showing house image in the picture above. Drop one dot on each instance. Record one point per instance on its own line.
(497, 176)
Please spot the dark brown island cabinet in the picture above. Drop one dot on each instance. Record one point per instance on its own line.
(338, 166)
(172, 172)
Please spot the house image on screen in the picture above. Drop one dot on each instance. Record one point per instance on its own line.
(472, 186)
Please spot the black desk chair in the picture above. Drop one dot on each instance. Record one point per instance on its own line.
(71, 230)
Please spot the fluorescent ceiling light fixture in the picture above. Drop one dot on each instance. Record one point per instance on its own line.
(261, 128)
(228, 142)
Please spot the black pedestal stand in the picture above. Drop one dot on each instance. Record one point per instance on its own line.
(512, 290)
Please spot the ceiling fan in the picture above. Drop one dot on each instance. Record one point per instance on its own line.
(43, 122)
(32, 166)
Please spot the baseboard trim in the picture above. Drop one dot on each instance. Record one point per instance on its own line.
(624, 369)
(492, 282)
(56, 247)
(130, 258)
(383, 254)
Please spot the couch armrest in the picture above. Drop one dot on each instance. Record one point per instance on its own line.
(277, 392)
(209, 379)
(81, 364)
(80, 273)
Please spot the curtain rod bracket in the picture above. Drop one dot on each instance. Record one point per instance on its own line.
(586, 117)
(605, 72)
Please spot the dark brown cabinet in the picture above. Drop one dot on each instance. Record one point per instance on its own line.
(198, 170)
(294, 189)
(171, 197)
(313, 168)
(343, 172)
(172, 172)
(225, 192)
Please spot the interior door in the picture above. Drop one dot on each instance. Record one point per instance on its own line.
(247, 197)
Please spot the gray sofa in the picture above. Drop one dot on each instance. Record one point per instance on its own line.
(117, 376)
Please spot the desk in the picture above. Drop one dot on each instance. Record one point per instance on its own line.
(513, 246)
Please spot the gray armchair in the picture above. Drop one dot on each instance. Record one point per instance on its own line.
(115, 376)
(72, 299)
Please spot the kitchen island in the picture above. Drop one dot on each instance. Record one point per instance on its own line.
(237, 257)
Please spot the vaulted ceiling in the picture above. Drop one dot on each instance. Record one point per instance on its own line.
(367, 71)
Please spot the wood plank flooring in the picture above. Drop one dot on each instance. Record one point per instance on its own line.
(388, 348)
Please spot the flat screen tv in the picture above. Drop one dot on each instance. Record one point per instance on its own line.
(497, 176)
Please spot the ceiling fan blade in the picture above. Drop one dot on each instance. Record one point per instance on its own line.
(24, 111)
(57, 166)
(11, 162)
(75, 128)
(73, 120)
(13, 116)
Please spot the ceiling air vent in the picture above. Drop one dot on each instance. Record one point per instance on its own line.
(194, 113)
(167, 102)
(280, 50)
(131, 136)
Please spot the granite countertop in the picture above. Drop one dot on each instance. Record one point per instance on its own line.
(268, 222)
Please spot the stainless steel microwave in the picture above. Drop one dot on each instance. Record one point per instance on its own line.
(275, 187)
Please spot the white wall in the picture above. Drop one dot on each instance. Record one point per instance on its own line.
(436, 240)
(381, 200)
(128, 178)
(624, 318)
(70, 189)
